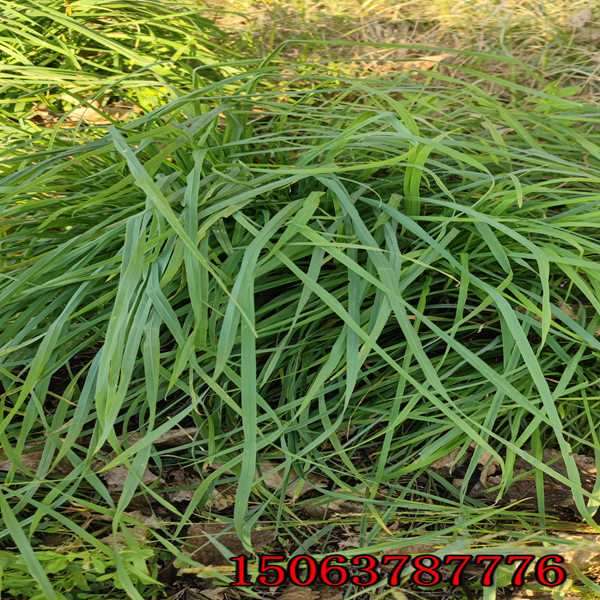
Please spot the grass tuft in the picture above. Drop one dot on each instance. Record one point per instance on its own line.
(350, 278)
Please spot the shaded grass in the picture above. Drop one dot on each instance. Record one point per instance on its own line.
(347, 277)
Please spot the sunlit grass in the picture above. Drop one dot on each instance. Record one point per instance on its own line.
(558, 40)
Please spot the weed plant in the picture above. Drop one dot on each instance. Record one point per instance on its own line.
(350, 278)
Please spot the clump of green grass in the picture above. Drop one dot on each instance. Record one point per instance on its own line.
(350, 278)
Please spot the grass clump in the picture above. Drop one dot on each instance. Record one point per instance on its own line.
(350, 279)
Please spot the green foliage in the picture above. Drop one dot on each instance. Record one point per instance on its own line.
(348, 277)
(60, 56)
(75, 574)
